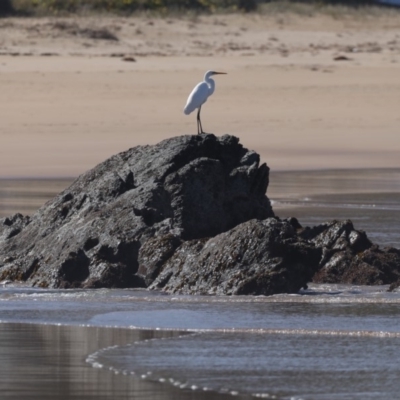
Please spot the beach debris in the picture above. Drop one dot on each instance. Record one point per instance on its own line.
(129, 59)
(97, 33)
(49, 54)
(342, 58)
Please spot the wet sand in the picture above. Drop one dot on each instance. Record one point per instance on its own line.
(48, 362)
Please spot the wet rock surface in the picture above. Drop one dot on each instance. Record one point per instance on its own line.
(348, 256)
(188, 215)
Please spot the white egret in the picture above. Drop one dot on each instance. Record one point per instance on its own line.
(199, 96)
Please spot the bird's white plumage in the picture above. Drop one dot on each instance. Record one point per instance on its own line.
(199, 96)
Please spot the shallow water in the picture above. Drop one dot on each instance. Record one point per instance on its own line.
(25, 196)
(48, 362)
(327, 342)
(369, 198)
(268, 365)
(378, 214)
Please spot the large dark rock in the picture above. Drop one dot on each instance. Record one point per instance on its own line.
(256, 257)
(188, 215)
(132, 211)
(348, 256)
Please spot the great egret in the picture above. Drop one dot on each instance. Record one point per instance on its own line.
(199, 96)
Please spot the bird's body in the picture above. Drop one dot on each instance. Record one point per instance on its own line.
(199, 96)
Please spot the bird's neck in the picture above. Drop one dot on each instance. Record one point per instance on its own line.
(211, 86)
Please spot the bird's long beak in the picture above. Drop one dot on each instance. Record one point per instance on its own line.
(220, 73)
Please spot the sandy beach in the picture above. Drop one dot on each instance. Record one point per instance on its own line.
(306, 92)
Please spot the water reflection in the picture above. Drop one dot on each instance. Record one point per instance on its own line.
(48, 362)
(25, 196)
(292, 184)
(370, 198)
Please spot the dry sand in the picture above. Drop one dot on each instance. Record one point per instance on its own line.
(68, 99)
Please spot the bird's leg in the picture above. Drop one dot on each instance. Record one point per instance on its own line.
(199, 127)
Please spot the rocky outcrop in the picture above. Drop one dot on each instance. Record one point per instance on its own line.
(188, 215)
(132, 211)
(348, 256)
(256, 257)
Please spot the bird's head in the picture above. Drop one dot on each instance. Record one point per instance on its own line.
(211, 73)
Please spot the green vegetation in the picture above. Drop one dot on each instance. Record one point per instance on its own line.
(34, 7)
(337, 9)
(129, 6)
